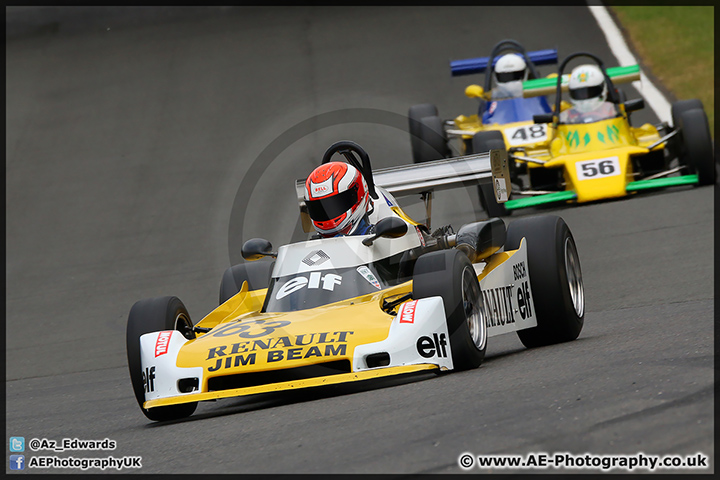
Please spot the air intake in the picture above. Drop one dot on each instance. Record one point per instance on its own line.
(253, 379)
(381, 359)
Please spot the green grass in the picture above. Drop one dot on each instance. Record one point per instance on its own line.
(677, 45)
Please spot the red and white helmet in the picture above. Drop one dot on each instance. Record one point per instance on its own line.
(337, 198)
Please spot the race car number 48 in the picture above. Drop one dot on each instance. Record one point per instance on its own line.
(526, 134)
(602, 167)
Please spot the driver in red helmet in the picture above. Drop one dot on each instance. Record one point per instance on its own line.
(338, 202)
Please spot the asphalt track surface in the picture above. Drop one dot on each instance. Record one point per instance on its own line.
(129, 134)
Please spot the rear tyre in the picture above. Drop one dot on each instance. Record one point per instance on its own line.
(415, 114)
(675, 144)
(697, 145)
(153, 315)
(431, 142)
(450, 275)
(484, 142)
(555, 279)
(257, 274)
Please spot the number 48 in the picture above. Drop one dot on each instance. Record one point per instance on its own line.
(536, 131)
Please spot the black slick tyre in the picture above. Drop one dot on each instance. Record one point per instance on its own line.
(430, 142)
(415, 114)
(152, 315)
(450, 275)
(675, 145)
(677, 108)
(555, 279)
(697, 145)
(257, 274)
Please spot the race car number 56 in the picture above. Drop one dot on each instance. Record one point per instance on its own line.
(602, 167)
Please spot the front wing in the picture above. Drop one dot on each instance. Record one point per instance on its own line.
(417, 340)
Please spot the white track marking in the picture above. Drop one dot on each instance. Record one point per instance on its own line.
(655, 100)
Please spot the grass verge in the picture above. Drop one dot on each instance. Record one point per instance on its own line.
(677, 44)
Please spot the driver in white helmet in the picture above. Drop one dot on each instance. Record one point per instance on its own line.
(588, 94)
(510, 73)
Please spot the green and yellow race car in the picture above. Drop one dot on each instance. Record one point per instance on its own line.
(558, 157)
(589, 157)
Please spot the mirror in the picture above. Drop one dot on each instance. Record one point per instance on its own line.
(543, 118)
(634, 104)
(256, 248)
(391, 227)
(388, 227)
(474, 91)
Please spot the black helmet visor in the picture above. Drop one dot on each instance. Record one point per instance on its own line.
(327, 208)
(586, 92)
(504, 77)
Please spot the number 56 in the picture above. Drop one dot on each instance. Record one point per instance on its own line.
(604, 167)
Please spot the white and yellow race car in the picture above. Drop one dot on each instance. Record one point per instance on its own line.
(359, 308)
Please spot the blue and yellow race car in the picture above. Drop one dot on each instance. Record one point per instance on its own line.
(502, 113)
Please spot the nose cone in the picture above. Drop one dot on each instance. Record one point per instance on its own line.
(271, 341)
(600, 178)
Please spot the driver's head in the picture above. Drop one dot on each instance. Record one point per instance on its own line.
(337, 199)
(587, 88)
(511, 67)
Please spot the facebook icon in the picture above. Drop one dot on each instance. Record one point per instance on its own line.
(17, 462)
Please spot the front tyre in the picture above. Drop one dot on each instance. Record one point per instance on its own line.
(697, 145)
(153, 315)
(450, 275)
(555, 279)
(257, 274)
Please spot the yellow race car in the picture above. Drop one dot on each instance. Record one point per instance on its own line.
(588, 158)
(559, 161)
(359, 308)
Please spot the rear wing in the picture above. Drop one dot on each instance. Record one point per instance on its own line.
(425, 178)
(479, 65)
(437, 175)
(547, 86)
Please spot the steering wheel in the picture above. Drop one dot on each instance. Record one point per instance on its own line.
(349, 150)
